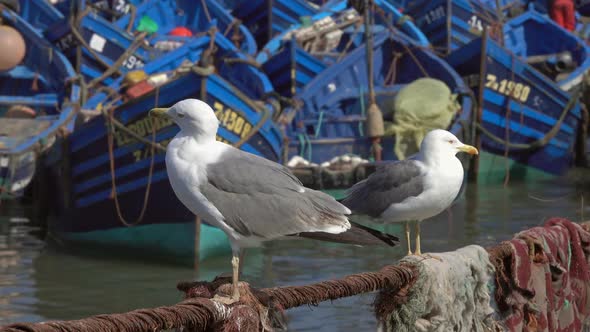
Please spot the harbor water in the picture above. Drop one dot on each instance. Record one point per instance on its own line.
(40, 280)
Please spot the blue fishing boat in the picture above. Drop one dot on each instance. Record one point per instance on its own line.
(524, 115)
(38, 101)
(560, 55)
(513, 8)
(330, 115)
(266, 19)
(195, 16)
(296, 56)
(337, 18)
(110, 49)
(111, 172)
(40, 14)
(453, 23)
(105, 50)
(449, 24)
(388, 15)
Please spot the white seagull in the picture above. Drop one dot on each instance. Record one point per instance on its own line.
(250, 198)
(413, 189)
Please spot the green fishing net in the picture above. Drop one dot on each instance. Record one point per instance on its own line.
(419, 107)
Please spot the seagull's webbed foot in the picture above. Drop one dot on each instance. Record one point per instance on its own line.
(235, 296)
(225, 299)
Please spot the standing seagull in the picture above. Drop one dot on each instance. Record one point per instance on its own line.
(250, 198)
(413, 189)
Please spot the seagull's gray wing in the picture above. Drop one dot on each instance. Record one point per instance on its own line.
(259, 197)
(389, 184)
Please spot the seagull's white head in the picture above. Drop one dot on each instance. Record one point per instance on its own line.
(442, 143)
(194, 117)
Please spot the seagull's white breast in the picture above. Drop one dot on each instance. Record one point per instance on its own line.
(442, 183)
(186, 163)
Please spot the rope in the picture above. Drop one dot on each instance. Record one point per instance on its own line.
(363, 110)
(357, 29)
(193, 314)
(110, 140)
(133, 14)
(390, 277)
(199, 313)
(392, 72)
(301, 144)
(319, 124)
(117, 124)
(206, 10)
(309, 147)
(409, 51)
(541, 141)
(507, 129)
(230, 25)
(250, 62)
(74, 23)
(111, 69)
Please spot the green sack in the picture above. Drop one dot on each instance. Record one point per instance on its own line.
(146, 24)
(420, 107)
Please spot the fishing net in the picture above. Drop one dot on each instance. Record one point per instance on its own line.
(450, 294)
(420, 107)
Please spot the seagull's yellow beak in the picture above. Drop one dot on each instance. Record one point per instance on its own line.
(468, 148)
(159, 112)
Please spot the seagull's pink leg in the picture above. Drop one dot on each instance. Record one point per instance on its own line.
(235, 262)
(418, 251)
(408, 238)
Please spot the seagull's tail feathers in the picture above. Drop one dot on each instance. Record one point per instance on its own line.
(357, 234)
(327, 203)
(328, 215)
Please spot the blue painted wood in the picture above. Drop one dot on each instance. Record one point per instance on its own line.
(330, 120)
(109, 40)
(389, 18)
(521, 112)
(533, 34)
(390, 14)
(169, 14)
(255, 15)
(450, 24)
(90, 188)
(42, 82)
(290, 67)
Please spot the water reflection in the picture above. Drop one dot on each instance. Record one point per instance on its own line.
(40, 281)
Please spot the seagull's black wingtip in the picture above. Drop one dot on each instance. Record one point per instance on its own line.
(357, 234)
(388, 239)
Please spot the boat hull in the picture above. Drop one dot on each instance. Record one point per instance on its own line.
(38, 99)
(83, 177)
(173, 241)
(331, 120)
(450, 24)
(521, 108)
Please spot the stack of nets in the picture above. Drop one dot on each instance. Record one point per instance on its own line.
(420, 107)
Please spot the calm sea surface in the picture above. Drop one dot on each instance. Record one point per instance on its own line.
(41, 281)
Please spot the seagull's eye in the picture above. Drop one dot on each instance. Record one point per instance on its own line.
(451, 141)
(180, 115)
